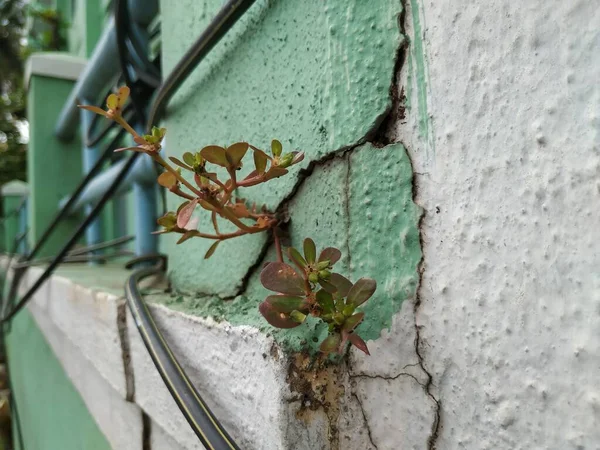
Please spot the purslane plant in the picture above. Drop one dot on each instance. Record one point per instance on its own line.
(208, 191)
(313, 289)
(310, 289)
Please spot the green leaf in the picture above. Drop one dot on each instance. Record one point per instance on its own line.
(362, 290)
(330, 344)
(169, 220)
(296, 257)
(216, 155)
(310, 250)
(278, 320)
(280, 277)
(286, 303)
(236, 152)
(327, 286)
(276, 147)
(189, 159)
(352, 322)
(187, 235)
(212, 249)
(260, 161)
(325, 299)
(330, 254)
(297, 316)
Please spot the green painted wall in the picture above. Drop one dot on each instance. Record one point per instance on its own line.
(54, 168)
(51, 411)
(315, 75)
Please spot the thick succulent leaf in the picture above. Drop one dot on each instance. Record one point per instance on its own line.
(327, 286)
(187, 235)
(286, 303)
(325, 299)
(167, 179)
(122, 96)
(330, 254)
(112, 101)
(275, 172)
(185, 214)
(239, 210)
(208, 206)
(330, 344)
(236, 152)
(275, 318)
(358, 342)
(216, 155)
(179, 163)
(276, 147)
(169, 220)
(352, 322)
(310, 250)
(189, 159)
(212, 249)
(94, 109)
(296, 257)
(298, 156)
(280, 277)
(341, 283)
(362, 291)
(260, 161)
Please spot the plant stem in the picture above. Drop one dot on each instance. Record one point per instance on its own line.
(277, 245)
(214, 222)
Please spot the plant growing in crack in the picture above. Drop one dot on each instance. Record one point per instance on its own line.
(208, 192)
(313, 289)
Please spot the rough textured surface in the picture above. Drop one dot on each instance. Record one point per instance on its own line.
(314, 75)
(507, 171)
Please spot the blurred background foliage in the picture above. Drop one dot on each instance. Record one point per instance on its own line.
(24, 28)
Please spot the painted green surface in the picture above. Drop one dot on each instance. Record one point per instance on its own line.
(13, 194)
(54, 168)
(52, 413)
(316, 75)
(87, 20)
(361, 203)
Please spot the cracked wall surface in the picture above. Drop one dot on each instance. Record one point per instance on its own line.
(503, 132)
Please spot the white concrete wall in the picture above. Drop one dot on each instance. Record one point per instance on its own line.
(509, 176)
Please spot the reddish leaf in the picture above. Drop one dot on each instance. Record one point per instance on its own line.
(327, 286)
(208, 206)
(216, 155)
(298, 156)
(357, 341)
(275, 172)
(278, 320)
(341, 283)
(280, 277)
(330, 344)
(236, 152)
(330, 254)
(362, 290)
(184, 216)
(260, 161)
(179, 163)
(352, 322)
(212, 249)
(187, 235)
(286, 303)
(310, 250)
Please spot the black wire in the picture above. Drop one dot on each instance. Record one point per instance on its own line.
(65, 210)
(204, 423)
(219, 26)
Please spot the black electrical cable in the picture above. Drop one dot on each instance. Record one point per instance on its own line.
(204, 423)
(219, 26)
(65, 210)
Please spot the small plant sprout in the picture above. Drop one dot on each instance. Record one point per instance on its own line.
(207, 191)
(312, 288)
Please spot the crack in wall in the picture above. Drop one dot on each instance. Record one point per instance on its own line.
(125, 351)
(146, 431)
(364, 414)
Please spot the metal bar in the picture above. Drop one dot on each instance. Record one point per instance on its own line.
(93, 234)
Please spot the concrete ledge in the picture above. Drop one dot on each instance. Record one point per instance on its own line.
(266, 400)
(54, 65)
